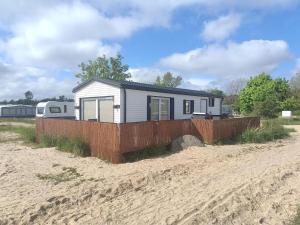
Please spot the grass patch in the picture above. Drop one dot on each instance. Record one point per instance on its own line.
(289, 121)
(27, 133)
(147, 153)
(68, 174)
(18, 120)
(271, 130)
(296, 220)
(75, 145)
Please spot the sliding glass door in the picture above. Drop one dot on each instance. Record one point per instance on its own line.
(89, 109)
(106, 110)
(160, 108)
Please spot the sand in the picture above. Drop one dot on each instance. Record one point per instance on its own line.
(233, 184)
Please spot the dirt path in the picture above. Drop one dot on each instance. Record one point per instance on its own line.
(241, 184)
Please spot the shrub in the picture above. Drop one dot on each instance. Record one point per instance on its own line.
(268, 108)
(28, 134)
(291, 104)
(73, 145)
(270, 130)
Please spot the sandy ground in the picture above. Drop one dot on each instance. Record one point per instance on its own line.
(19, 124)
(241, 184)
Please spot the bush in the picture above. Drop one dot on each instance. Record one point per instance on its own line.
(75, 145)
(271, 130)
(290, 104)
(268, 108)
(28, 134)
(296, 113)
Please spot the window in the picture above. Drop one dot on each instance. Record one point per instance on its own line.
(211, 102)
(164, 109)
(106, 110)
(40, 110)
(55, 110)
(89, 109)
(188, 106)
(65, 108)
(154, 109)
(160, 108)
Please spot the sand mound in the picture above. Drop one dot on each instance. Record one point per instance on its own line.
(185, 142)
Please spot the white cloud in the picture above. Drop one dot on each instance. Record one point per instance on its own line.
(221, 28)
(62, 37)
(145, 75)
(296, 69)
(56, 35)
(235, 59)
(15, 81)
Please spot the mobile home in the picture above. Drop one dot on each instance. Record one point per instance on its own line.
(17, 111)
(54, 109)
(107, 100)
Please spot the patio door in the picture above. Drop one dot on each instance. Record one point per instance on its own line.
(89, 109)
(106, 110)
(160, 108)
(203, 106)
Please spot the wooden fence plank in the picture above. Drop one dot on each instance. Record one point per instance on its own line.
(109, 141)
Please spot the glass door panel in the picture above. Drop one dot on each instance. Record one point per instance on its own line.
(154, 109)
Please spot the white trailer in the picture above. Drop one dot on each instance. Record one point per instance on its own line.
(17, 111)
(54, 109)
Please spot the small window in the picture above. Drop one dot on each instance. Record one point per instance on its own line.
(55, 110)
(188, 106)
(40, 110)
(211, 102)
(65, 108)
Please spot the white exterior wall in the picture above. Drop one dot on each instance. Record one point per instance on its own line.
(136, 103)
(97, 89)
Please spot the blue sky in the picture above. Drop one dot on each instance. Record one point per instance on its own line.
(208, 42)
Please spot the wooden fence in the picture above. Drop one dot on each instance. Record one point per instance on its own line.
(109, 141)
(102, 138)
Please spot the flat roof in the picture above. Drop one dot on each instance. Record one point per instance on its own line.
(145, 87)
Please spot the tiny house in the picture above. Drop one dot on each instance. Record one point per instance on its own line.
(54, 109)
(107, 100)
(17, 111)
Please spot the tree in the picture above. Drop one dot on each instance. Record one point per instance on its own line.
(111, 68)
(234, 87)
(295, 83)
(290, 104)
(232, 90)
(168, 80)
(216, 91)
(28, 95)
(261, 88)
(268, 108)
(62, 98)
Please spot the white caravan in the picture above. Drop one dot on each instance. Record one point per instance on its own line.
(53, 109)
